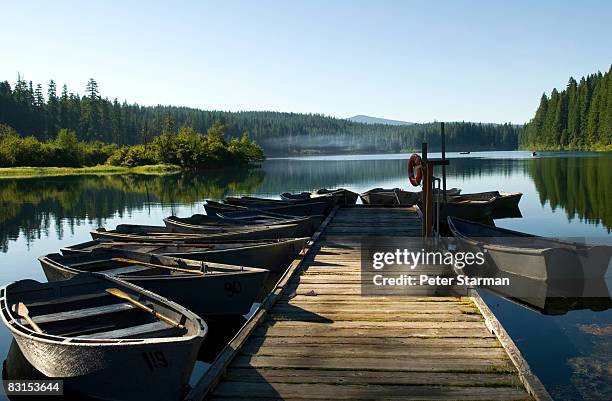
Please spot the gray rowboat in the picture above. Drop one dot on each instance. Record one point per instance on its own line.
(388, 197)
(272, 255)
(197, 223)
(101, 345)
(208, 289)
(530, 256)
(132, 232)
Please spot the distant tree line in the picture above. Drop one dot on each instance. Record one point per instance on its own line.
(26, 108)
(576, 118)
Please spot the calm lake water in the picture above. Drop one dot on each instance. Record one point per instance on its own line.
(565, 194)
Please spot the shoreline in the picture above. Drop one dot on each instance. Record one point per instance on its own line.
(33, 172)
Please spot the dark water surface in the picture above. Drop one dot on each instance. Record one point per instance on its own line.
(565, 194)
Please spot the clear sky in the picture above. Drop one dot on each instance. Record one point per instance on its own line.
(414, 61)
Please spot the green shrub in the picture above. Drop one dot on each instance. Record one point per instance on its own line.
(187, 148)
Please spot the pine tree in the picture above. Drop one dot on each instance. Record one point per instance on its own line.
(169, 124)
(592, 132)
(573, 117)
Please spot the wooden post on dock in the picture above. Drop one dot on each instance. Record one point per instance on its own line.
(427, 194)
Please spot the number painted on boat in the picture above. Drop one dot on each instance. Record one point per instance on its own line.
(232, 288)
(155, 360)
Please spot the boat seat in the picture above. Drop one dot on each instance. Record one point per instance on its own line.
(80, 313)
(126, 270)
(148, 330)
(63, 300)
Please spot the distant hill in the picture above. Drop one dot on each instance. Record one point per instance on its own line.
(375, 120)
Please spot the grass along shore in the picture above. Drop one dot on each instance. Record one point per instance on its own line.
(25, 172)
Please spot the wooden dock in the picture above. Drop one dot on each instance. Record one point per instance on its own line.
(317, 338)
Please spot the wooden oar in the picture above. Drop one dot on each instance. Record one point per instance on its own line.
(120, 294)
(137, 262)
(23, 312)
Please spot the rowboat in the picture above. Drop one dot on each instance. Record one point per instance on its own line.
(530, 256)
(449, 192)
(505, 204)
(133, 232)
(101, 335)
(258, 203)
(213, 208)
(197, 223)
(208, 289)
(272, 255)
(395, 196)
(474, 210)
(344, 196)
(288, 196)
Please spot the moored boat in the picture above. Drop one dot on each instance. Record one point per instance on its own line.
(273, 255)
(474, 210)
(306, 225)
(283, 210)
(133, 232)
(344, 196)
(388, 197)
(206, 288)
(288, 196)
(95, 332)
(258, 203)
(505, 204)
(531, 256)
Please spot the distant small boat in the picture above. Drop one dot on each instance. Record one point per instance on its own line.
(464, 153)
(208, 289)
(101, 344)
(534, 153)
(306, 225)
(530, 256)
(274, 255)
(388, 197)
(141, 233)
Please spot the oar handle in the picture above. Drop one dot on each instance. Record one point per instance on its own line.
(120, 294)
(33, 324)
(22, 311)
(138, 262)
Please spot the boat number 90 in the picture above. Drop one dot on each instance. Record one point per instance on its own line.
(155, 360)
(232, 288)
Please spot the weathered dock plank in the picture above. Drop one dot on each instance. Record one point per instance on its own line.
(320, 339)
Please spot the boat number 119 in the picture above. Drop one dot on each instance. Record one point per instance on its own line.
(155, 360)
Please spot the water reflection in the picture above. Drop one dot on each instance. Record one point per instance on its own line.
(582, 186)
(34, 206)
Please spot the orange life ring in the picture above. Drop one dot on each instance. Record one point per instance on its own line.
(415, 163)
